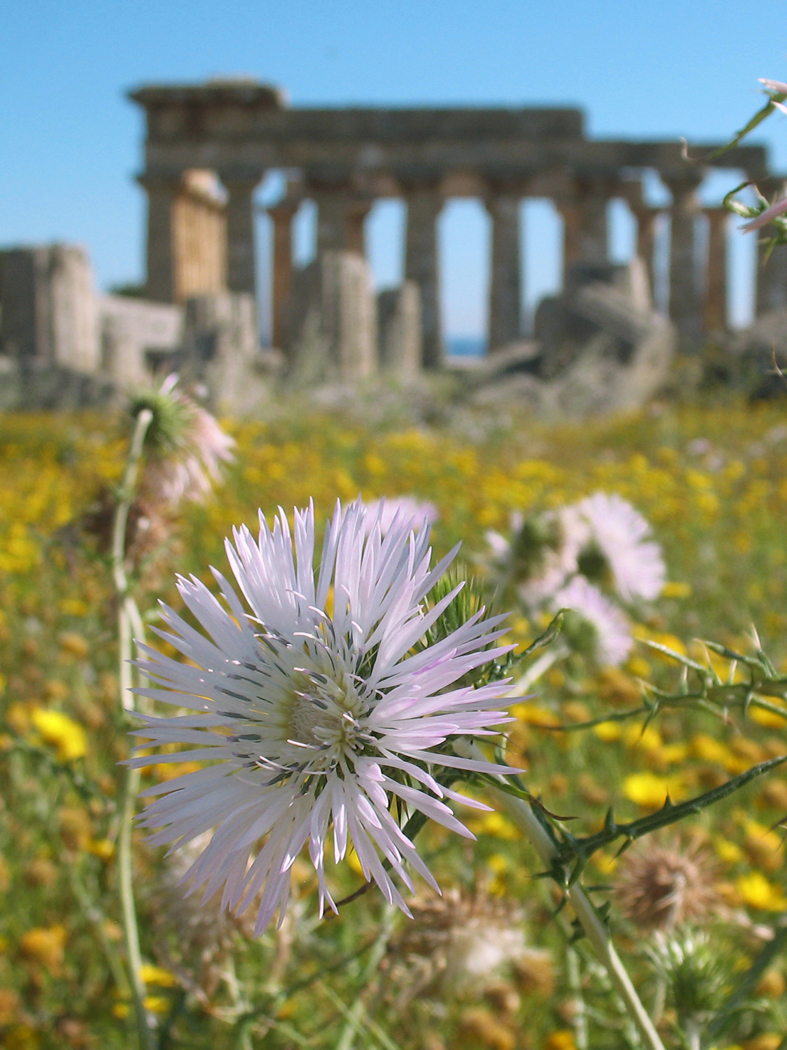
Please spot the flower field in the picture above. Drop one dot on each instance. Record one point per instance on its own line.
(493, 962)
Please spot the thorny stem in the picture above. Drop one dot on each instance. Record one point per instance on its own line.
(128, 617)
(595, 930)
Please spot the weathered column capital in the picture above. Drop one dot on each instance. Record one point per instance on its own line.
(160, 181)
(241, 179)
(683, 186)
(341, 211)
(425, 191)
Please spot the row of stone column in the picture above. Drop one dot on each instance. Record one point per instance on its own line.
(340, 218)
(341, 215)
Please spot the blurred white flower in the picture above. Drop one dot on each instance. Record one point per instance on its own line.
(613, 539)
(315, 708)
(597, 628)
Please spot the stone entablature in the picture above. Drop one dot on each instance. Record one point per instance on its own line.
(345, 159)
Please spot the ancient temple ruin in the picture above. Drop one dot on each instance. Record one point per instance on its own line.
(208, 148)
(346, 159)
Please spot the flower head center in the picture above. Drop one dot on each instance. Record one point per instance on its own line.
(325, 714)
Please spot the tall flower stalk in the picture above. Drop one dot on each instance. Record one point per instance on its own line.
(129, 623)
(185, 449)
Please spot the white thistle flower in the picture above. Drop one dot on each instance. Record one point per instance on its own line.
(416, 513)
(602, 631)
(313, 719)
(614, 538)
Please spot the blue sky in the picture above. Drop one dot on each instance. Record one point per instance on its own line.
(70, 142)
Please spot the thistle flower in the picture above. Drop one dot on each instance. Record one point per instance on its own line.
(778, 88)
(315, 709)
(773, 212)
(594, 626)
(538, 559)
(185, 444)
(660, 885)
(614, 545)
(417, 512)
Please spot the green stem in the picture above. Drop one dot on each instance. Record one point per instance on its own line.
(128, 615)
(354, 1018)
(579, 1019)
(595, 930)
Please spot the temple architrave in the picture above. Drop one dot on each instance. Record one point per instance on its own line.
(209, 146)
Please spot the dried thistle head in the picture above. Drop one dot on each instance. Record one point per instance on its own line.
(458, 944)
(661, 884)
(193, 938)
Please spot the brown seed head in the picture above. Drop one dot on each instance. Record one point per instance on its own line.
(661, 884)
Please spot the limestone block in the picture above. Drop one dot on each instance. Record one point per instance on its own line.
(600, 350)
(135, 333)
(399, 330)
(46, 387)
(331, 320)
(75, 330)
(49, 310)
(221, 350)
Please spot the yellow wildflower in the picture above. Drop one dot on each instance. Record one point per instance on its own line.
(74, 644)
(44, 945)
(60, 732)
(650, 791)
(609, 732)
(158, 976)
(676, 590)
(757, 892)
(727, 851)
(560, 1040)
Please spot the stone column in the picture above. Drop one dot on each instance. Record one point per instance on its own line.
(570, 215)
(585, 226)
(161, 265)
(357, 210)
(646, 219)
(421, 264)
(240, 213)
(684, 294)
(771, 292)
(715, 314)
(281, 215)
(505, 287)
(332, 209)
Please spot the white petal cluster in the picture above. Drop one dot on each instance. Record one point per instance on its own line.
(589, 556)
(315, 705)
(611, 639)
(622, 536)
